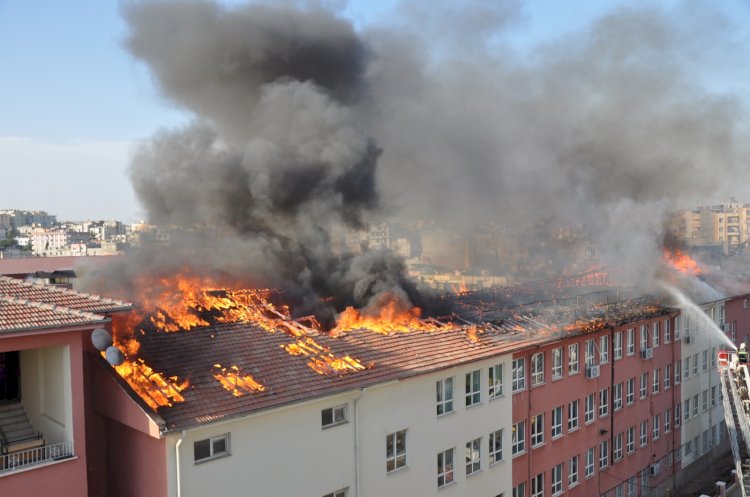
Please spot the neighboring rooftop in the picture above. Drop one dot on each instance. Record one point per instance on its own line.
(37, 292)
(19, 314)
(25, 266)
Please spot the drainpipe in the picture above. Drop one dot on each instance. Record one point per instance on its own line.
(177, 460)
(362, 390)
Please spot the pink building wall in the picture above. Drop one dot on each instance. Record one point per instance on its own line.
(67, 477)
(554, 393)
(737, 316)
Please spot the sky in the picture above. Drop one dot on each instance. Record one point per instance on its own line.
(74, 103)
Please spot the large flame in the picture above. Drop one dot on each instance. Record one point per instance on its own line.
(386, 313)
(682, 262)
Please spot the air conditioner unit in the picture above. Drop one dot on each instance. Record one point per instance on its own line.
(647, 354)
(592, 371)
(655, 469)
(689, 339)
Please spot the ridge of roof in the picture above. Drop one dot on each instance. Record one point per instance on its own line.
(97, 301)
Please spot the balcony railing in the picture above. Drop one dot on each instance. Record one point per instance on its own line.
(38, 455)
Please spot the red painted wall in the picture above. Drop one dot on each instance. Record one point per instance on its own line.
(553, 393)
(737, 315)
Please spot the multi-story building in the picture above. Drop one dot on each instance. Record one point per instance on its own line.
(593, 413)
(725, 225)
(49, 242)
(703, 427)
(18, 218)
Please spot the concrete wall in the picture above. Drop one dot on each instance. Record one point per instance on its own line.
(286, 451)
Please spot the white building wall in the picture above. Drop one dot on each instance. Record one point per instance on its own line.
(285, 452)
(703, 340)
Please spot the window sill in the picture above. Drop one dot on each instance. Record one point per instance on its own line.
(573, 485)
(573, 430)
(474, 405)
(453, 482)
(446, 414)
(540, 444)
(333, 425)
(557, 437)
(212, 458)
(496, 463)
(517, 454)
(498, 396)
(588, 477)
(469, 475)
(397, 470)
(535, 385)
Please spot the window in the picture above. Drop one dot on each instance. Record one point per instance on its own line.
(655, 335)
(656, 378)
(630, 439)
(677, 328)
(713, 357)
(573, 359)
(686, 368)
(590, 351)
(518, 438)
(677, 415)
(667, 376)
(573, 471)
(211, 448)
(631, 341)
(617, 396)
(573, 415)
(704, 398)
(667, 331)
(604, 349)
(338, 493)
(496, 446)
(589, 468)
(537, 485)
(677, 371)
(644, 385)
(557, 364)
(704, 361)
(333, 416)
(687, 409)
(618, 447)
(668, 420)
(655, 427)
(473, 387)
(557, 421)
(632, 486)
(557, 472)
(603, 402)
(495, 381)
(520, 490)
(695, 405)
(395, 451)
(644, 337)
(713, 396)
(473, 456)
(645, 489)
(630, 391)
(644, 432)
(618, 345)
(519, 374)
(604, 454)
(445, 468)
(444, 396)
(695, 363)
(588, 413)
(537, 430)
(537, 369)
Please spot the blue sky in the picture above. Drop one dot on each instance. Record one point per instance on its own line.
(73, 103)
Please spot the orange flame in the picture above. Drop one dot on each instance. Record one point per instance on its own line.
(386, 314)
(154, 388)
(682, 262)
(232, 381)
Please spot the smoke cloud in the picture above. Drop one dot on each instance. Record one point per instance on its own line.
(305, 128)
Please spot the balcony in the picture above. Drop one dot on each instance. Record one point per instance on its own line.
(23, 459)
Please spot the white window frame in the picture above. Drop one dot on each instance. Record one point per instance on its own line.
(668, 420)
(643, 343)
(496, 446)
(395, 455)
(557, 479)
(444, 396)
(603, 454)
(557, 422)
(604, 402)
(495, 381)
(655, 335)
(617, 447)
(617, 347)
(590, 353)
(473, 388)
(644, 386)
(589, 412)
(590, 458)
(518, 438)
(214, 452)
(630, 391)
(644, 433)
(338, 493)
(695, 363)
(519, 490)
(617, 396)
(677, 371)
(573, 359)
(473, 458)
(604, 349)
(537, 369)
(445, 468)
(630, 342)
(537, 430)
(518, 375)
(338, 416)
(573, 471)
(686, 368)
(695, 405)
(655, 381)
(537, 485)
(573, 409)
(668, 376)
(630, 440)
(557, 363)
(667, 331)
(656, 427)
(704, 361)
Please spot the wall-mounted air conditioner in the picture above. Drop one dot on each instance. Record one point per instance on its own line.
(655, 469)
(592, 371)
(647, 354)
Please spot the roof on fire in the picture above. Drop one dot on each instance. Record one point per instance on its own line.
(288, 379)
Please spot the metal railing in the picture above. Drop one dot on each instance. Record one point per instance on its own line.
(38, 455)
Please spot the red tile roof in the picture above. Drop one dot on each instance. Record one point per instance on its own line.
(50, 294)
(17, 314)
(287, 378)
(29, 265)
